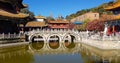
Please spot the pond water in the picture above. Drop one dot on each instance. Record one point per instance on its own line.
(51, 53)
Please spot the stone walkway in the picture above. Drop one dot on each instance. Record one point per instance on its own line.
(13, 44)
(102, 44)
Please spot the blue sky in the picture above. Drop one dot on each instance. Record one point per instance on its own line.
(61, 7)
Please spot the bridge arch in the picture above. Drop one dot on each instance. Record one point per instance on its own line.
(39, 43)
(70, 40)
(72, 37)
(57, 35)
(40, 37)
(54, 41)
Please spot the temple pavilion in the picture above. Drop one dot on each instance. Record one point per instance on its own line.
(114, 24)
(39, 23)
(10, 15)
(59, 24)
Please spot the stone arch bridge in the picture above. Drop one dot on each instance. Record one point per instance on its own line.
(61, 35)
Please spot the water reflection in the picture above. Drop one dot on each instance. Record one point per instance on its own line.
(67, 52)
(15, 55)
(69, 45)
(37, 45)
(54, 42)
(99, 56)
(54, 45)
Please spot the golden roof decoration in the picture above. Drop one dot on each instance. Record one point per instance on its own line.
(40, 17)
(113, 6)
(35, 24)
(12, 15)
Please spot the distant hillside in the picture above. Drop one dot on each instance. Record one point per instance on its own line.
(99, 9)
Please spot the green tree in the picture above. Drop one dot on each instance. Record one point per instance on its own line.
(26, 11)
(60, 18)
(29, 18)
(84, 25)
(100, 9)
(49, 18)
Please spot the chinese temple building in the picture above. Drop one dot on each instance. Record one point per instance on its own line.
(115, 8)
(58, 24)
(10, 15)
(39, 23)
(40, 19)
(114, 24)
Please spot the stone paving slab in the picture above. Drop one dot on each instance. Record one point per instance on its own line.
(102, 44)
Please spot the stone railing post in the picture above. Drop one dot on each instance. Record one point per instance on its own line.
(14, 35)
(0, 36)
(8, 35)
(3, 35)
(20, 34)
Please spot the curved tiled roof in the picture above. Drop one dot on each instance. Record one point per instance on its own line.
(117, 16)
(15, 2)
(35, 24)
(40, 17)
(12, 15)
(113, 6)
(58, 21)
(11, 1)
(106, 18)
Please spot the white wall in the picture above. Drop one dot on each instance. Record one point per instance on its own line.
(40, 20)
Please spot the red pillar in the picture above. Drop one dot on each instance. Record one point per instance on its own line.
(108, 31)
